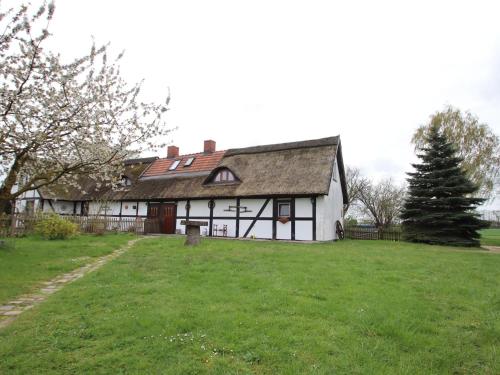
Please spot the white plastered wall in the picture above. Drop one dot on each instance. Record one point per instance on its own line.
(221, 209)
(199, 208)
(262, 228)
(329, 209)
(129, 208)
(303, 228)
(110, 208)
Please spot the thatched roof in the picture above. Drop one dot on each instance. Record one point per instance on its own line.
(330, 141)
(59, 191)
(88, 189)
(140, 160)
(286, 169)
(298, 168)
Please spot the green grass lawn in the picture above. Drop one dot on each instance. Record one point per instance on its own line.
(248, 307)
(28, 261)
(490, 237)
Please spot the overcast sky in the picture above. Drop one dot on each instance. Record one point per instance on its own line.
(246, 73)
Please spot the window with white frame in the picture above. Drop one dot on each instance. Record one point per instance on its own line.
(284, 209)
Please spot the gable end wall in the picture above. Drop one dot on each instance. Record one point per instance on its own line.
(330, 208)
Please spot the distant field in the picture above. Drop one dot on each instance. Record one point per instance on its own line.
(249, 307)
(490, 237)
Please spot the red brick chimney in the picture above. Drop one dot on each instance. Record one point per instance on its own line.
(209, 146)
(172, 152)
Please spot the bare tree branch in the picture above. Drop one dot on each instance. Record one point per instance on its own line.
(383, 201)
(355, 185)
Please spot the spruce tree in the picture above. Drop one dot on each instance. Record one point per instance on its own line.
(440, 207)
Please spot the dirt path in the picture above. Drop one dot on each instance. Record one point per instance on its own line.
(10, 311)
(493, 249)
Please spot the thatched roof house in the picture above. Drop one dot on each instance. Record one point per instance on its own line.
(298, 168)
(304, 180)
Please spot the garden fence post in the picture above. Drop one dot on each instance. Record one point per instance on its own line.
(13, 222)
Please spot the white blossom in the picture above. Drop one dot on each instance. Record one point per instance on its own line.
(61, 119)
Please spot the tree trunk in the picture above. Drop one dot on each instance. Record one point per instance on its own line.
(6, 195)
(13, 221)
(5, 206)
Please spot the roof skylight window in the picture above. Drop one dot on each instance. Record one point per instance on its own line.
(189, 162)
(174, 165)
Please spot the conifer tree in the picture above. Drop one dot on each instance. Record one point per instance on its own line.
(439, 208)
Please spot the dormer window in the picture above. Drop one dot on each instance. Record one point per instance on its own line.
(126, 181)
(224, 175)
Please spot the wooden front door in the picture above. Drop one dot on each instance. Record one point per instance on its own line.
(168, 212)
(163, 215)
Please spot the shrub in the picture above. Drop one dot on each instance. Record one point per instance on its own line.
(350, 221)
(54, 227)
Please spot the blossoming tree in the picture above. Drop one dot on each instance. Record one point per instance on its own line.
(61, 119)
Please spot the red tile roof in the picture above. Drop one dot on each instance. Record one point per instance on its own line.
(202, 163)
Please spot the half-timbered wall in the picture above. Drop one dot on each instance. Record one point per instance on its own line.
(256, 217)
(311, 218)
(31, 196)
(124, 209)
